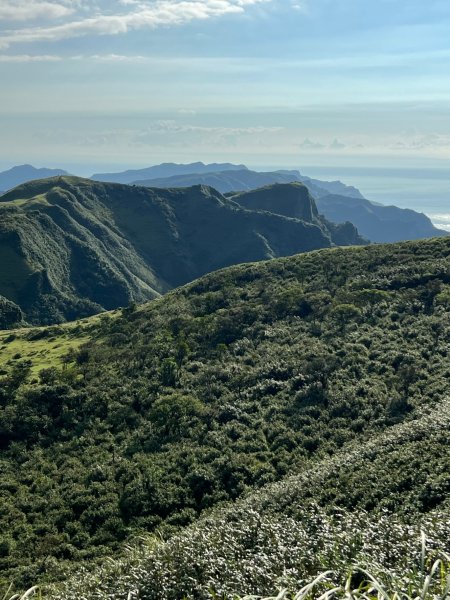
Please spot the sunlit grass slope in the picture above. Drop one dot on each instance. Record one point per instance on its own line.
(330, 367)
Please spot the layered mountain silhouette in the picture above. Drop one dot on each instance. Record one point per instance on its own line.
(336, 201)
(241, 179)
(166, 170)
(23, 173)
(70, 247)
(224, 181)
(377, 222)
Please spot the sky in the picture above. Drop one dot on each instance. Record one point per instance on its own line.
(92, 85)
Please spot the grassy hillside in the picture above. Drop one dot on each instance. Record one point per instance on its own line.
(46, 347)
(289, 533)
(329, 366)
(71, 247)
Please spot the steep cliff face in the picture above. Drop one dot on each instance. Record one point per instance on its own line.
(377, 222)
(290, 199)
(295, 201)
(71, 247)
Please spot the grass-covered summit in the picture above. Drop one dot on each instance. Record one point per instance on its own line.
(71, 247)
(237, 380)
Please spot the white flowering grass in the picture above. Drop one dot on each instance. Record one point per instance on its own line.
(33, 592)
(275, 539)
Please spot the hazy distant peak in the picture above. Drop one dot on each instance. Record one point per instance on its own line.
(232, 180)
(165, 170)
(377, 222)
(331, 187)
(22, 173)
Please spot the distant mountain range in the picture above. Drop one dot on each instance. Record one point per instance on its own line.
(377, 222)
(165, 170)
(242, 179)
(336, 201)
(71, 247)
(23, 173)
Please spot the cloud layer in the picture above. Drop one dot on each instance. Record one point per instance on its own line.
(30, 10)
(114, 18)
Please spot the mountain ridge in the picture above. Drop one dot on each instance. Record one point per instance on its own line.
(165, 170)
(236, 180)
(378, 222)
(23, 173)
(77, 247)
(338, 202)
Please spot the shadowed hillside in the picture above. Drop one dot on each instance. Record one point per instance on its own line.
(71, 247)
(224, 181)
(243, 179)
(377, 222)
(337, 202)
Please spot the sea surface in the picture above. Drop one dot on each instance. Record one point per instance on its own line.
(425, 190)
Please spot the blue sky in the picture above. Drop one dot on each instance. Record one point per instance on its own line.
(90, 83)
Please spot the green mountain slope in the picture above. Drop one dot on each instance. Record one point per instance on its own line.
(71, 247)
(337, 202)
(241, 378)
(294, 201)
(287, 534)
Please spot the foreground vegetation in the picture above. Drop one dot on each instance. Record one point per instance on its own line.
(326, 372)
(279, 538)
(45, 347)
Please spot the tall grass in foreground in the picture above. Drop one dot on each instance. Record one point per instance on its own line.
(33, 592)
(430, 582)
(435, 586)
(428, 578)
(275, 539)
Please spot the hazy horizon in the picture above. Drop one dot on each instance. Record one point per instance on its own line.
(264, 82)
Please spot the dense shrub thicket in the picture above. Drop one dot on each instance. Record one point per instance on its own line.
(278, 538)
(235, 381)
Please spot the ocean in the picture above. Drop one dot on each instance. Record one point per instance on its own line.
(425, 190)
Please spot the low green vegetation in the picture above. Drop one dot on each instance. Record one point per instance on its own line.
(318, 379)
(46, 347)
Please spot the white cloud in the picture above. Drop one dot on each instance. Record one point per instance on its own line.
(116, 58)
(308, 144)
(27, 10)
(141, 15)
(431, 141)
(170, 133)
(25, 58)
(337, 145)
(161, 133)
(442, 221)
